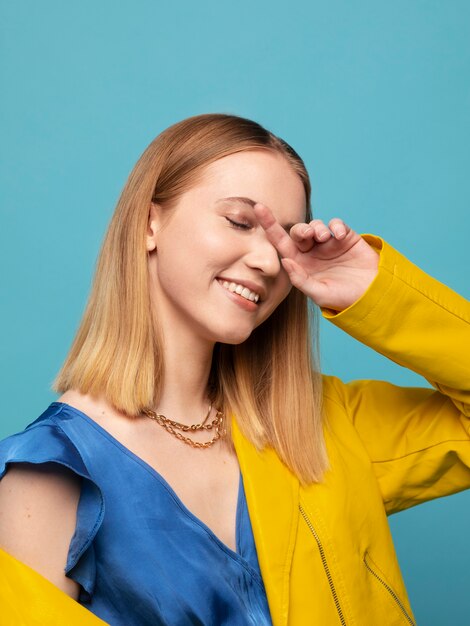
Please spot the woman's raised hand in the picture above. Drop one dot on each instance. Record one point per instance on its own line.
(331, 264)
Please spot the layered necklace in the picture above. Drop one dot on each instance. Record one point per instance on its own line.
(176, 428)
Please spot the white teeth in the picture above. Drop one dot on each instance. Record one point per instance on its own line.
(240, 290)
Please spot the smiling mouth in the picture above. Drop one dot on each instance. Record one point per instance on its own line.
(241, 290)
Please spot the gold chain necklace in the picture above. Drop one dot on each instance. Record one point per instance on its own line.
(173, 427)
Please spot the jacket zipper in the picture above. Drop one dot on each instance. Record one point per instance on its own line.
(390, 591)
(325, 566)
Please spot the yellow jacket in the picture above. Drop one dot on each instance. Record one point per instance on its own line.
(325, 550)
(28, 599)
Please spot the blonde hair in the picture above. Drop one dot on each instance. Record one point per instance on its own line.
(269, 382)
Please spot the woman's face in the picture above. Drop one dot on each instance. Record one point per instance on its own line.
(210, 247)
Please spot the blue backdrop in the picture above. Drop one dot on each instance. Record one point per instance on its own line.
(374, 95)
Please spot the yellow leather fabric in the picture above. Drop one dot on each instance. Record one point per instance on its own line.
(28, 599)
(325, 550)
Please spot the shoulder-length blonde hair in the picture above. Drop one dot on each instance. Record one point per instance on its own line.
(269, 382)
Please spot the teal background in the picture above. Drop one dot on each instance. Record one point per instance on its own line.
(374, 95)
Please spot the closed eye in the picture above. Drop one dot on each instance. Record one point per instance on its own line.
(240, 225)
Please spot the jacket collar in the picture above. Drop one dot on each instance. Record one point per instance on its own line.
(272, 495)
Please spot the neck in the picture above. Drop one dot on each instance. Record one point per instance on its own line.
(184, 396)
(187, 358)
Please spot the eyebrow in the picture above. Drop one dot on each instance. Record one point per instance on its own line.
(251, 203)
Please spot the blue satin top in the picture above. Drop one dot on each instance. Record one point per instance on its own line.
(140, 556)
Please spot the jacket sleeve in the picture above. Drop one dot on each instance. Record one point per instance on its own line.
(28, 598)
(418, 439)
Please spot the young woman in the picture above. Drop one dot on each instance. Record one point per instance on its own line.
(197, 468)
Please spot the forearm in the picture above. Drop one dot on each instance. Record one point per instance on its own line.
(414, 320)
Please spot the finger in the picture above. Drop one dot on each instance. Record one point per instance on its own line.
(312, 288)
(274, 231)
(300, 232)
(302, 235)
(338, 228)
(321, 232)
(297, 275)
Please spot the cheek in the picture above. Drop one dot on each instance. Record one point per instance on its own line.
(204, 238)
(186, 260)
(280, 293)
(283, 287)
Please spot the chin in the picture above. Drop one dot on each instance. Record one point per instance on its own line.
(234, 338)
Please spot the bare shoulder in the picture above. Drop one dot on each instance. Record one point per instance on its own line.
(83, 402)
(97, 409)
(38, 510)
(104, 414)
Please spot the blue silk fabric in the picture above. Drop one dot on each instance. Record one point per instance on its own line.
(140, 556)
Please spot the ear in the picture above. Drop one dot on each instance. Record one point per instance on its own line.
(152, 227)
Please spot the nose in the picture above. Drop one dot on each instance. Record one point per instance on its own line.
(263, 256)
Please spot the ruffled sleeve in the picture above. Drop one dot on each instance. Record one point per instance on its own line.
(45, 442)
